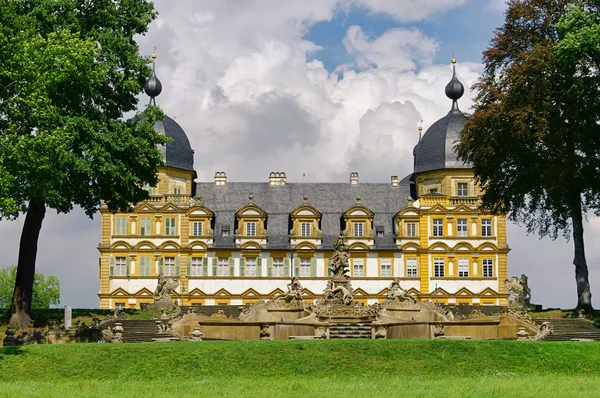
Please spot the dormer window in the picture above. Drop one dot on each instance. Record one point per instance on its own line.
(225, 231)
(200, 218)
(359, 223)
(305, 224)
(251, 228)
(305, 229)
(251, 224)
(358, 229)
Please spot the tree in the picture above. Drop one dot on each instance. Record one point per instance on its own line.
(69, 70)
(533, 136)
(46, 290)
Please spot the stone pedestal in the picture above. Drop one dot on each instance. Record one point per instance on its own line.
(161, 305)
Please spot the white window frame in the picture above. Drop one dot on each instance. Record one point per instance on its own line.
(359, 229)
(121, 226)
(411, 229)
(170, 226)
(486, 227)
(223, 266)
(438, 227)
(359, 267)
(462, 227)
(145, 268)
(169, 266)
(462, 189)
(305, 229)
(487, 265)
(197, 228)
(463, 267)
(250, 265)
(439, 267)
(120, 306)
(120, 266)
(386, 267)
(196, 266)
(251, 228)
(145, 230)
(412, 267)
(305, 267)
(278, 267)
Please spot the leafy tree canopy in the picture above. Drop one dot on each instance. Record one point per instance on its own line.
(46, 290)
(533, 136)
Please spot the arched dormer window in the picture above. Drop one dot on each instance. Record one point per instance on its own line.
(200, 219)
(251, 221)
(305, 223)
(359, 223)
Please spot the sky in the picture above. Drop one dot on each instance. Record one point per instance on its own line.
(314, 87)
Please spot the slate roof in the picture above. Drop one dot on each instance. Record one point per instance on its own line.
(436, 149)
(331, 199)
(178, 153)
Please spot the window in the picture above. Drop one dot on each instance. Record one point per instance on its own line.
(379, 230)
(411, 229)
(197, 228)
(488, 267)
(305, 267)
(386, 267)
(359, 267)
(170, 226)
(486, 227)
(433, 190)
(120, 306)
(121, 226)
(120, 266)
(358, 229)
(250, 229)
(278, 267)
(305, 229)
(411, 267)
(145, 226)
(196, 266)
(225, 232)
(147, 188)
(223, 266)
(169, 269)
(462, 189)
(251, 267)
(177, 191)
(463, 267)
(144, 266)
(438, 267)
(461, 227)
(438, 227)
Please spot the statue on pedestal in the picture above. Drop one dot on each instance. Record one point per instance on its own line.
(165, 289)
(520, 292)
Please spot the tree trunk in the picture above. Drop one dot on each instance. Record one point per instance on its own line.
(22, 295)
(584, 295)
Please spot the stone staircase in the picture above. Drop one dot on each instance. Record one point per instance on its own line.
(141, 331)
(571, 330)
(349, 331)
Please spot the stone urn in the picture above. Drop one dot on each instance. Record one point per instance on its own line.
(10, 340)
(522, 334)
(196, 334)
(118, 329)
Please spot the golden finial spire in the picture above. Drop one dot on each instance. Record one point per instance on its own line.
(453, 59)
(154, 54)
(420, 128)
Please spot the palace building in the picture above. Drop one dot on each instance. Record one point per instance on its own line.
(234, 243)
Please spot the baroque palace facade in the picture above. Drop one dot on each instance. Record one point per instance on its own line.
(234, 243)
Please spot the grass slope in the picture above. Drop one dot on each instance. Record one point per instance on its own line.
(426, 368)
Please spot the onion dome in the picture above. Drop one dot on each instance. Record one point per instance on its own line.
(435, 150)
(153, 86)
(178, 152)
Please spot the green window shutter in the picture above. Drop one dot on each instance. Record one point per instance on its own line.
(214, 266)
(231, 265)
(259, 267)
(296, 267)
(205, 266)
(111, 266)
(286, 267)
(329, 272)
(160, 265)
(188, 266)
(270, 266)
(242, 264)
(177, 265)
(313, 267)
(128, 266)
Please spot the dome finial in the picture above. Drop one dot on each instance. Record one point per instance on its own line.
(153, 86)
(454, 89)
(420, 129)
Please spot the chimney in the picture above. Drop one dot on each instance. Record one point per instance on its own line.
(220, 178)
(395, 182)
(354, 178)
(277, 178)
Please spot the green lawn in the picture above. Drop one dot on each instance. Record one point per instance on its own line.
(393, 368)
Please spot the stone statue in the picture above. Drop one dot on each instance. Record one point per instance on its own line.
(294, 291)
(519, 288)
(165, 288)
(331, 291)
(339, 261)
(398, 293)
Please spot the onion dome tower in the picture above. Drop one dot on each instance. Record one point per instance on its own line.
(178, 152)
(435, 149)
